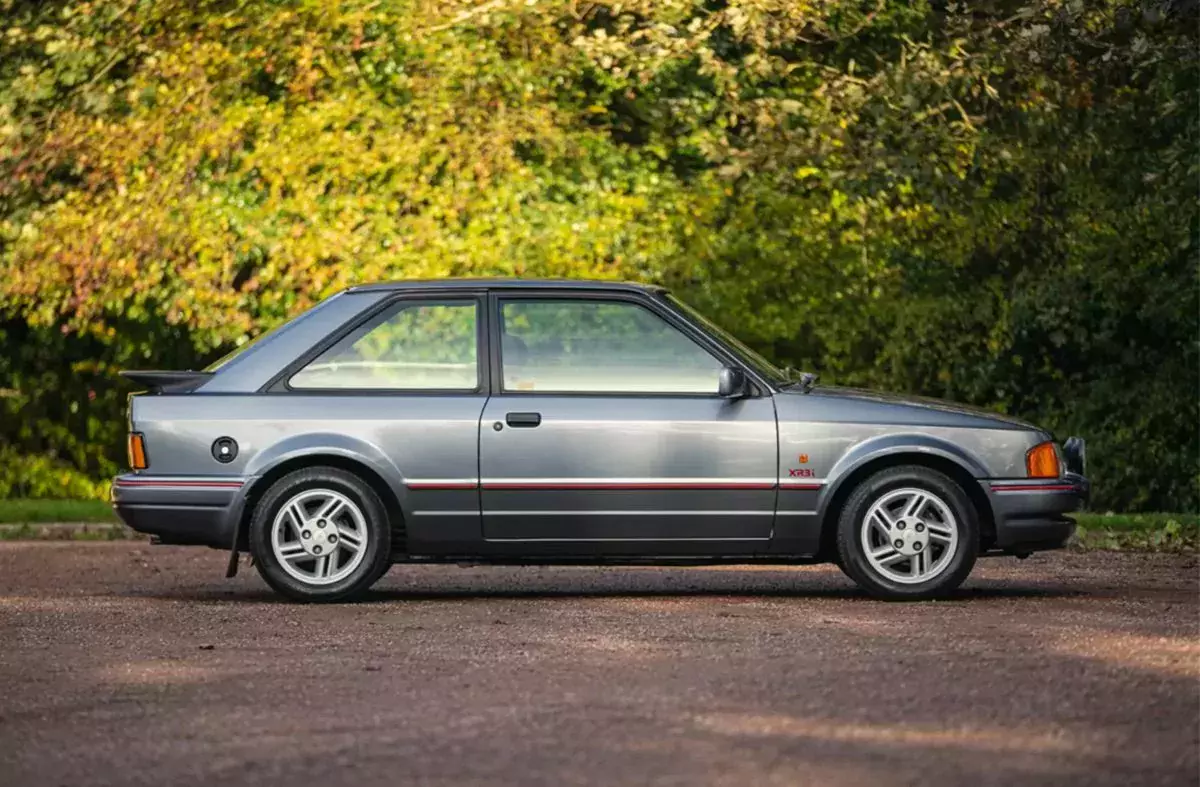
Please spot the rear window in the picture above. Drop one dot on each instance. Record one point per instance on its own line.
(416, 346)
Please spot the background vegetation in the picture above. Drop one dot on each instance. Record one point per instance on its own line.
(994, 202)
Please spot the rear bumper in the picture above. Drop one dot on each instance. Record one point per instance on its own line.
(178, 510)
(1031, 514)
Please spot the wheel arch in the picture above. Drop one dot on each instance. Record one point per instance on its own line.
(323, 458)
(948, 463)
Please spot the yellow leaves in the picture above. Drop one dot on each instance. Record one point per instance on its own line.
(274, 163)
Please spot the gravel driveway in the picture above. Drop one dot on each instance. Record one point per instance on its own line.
(122, 663)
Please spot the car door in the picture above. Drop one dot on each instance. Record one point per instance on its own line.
(605, 425)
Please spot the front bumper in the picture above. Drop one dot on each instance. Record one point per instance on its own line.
(181, 510)
(1030, 514)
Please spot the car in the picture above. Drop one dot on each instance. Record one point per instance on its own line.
(569, 422)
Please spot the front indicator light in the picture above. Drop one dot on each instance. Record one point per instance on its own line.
(137, 451)
(1042, 461)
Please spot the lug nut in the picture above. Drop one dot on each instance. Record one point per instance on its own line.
(920, 528)
(333, 539)
(901, 526)
(917, 545)
(898, 543)
(316, 550)
(320, 523)
(306, 534)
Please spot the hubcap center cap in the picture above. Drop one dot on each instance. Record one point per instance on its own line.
(910, 536)
(319, 541)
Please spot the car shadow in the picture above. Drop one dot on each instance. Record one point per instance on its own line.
(480, 591)
(851, 594)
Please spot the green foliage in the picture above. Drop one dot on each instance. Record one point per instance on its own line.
(70, 532)
(42, 476)
(39, 511)
(993, 202)
(1140, 532)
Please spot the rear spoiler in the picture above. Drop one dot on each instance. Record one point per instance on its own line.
(167, 381)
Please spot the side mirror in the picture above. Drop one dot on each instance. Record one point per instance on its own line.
(732, 384)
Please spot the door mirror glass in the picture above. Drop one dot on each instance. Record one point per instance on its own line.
(732, 383)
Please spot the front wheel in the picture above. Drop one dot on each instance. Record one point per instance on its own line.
(908, 533)
(320, 534)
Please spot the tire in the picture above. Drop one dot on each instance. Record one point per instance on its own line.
(938, 543)
(327, 511)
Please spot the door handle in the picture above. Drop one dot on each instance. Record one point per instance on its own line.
(528, 420)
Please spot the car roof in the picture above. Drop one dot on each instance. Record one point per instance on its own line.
(504, 284)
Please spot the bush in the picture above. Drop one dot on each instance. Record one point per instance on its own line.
(991, 202)
(43, 477)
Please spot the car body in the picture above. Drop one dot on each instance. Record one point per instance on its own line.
(514, 421)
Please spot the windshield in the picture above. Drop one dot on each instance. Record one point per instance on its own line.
(752, 359)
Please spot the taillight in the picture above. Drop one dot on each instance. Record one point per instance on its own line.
(1042, 461)
(137, 451)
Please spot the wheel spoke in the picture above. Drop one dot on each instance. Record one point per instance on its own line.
(915, 504)
(883, 552)
(330, 509)
(291, 552)
(296, 512)
(883, 521)
(881, 529)
(939, 532)
(321, 567)
(350, 539)
(886, 555)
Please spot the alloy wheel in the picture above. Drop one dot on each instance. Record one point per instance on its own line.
(319, 536)
(909, 536)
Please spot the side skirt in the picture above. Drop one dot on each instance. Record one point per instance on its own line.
(467, 560)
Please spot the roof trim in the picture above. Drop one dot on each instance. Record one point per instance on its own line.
(504, 284)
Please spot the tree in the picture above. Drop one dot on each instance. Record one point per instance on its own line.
(993, 202)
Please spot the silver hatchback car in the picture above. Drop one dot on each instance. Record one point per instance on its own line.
(502, 421)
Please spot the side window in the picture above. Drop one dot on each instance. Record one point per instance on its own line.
(578, 346)
(419, 346)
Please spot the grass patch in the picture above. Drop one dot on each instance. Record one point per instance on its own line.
(19, 512)
(1142, 532)
(87, 531)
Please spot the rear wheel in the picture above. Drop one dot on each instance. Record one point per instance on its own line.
(320, 534)
(908, 533)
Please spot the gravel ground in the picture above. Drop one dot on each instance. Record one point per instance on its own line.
(123, 663)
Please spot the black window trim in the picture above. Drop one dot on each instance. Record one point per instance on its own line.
(660, 308)
(371, 317)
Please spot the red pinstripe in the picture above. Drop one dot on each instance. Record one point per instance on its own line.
(435, 485)
(1034, 488)
(636, 486)
(202, 484)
